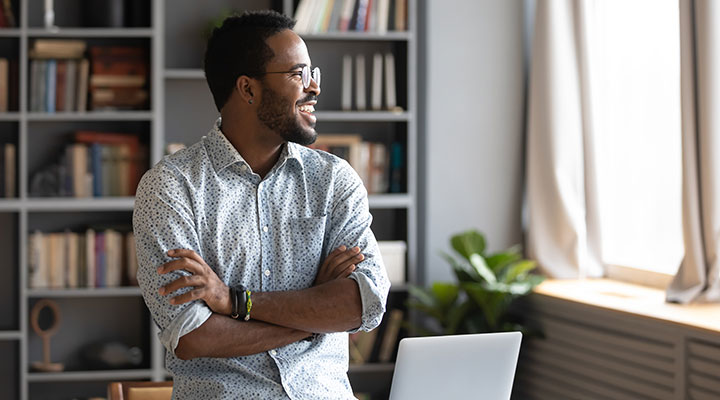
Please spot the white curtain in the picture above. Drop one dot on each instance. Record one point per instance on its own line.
(698, 278)
(561, 204)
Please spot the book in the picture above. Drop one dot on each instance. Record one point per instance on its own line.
(334, 24)
(73, 259)
(347, 83)
(50, 81)
(70, 85)
(360, 101)
(4, 84)
(60, 80)
(400, 15)
(361, 346)
(7, 10)
(390, 336)
(79, 165)
(362, 11)
(109, 158)
(346, 15)
(376, 88)
(383, 12)
(9, 169)
(90, 259)
(390, 88)
(57, 49)
(37, 261)
(82, 84)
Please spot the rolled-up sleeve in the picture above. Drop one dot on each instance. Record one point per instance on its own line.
(350, 222)
(163, 220)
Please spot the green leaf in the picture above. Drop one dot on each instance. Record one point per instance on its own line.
(468, 243)
(460, 272)
(456, 315)
(517, 270)
(445, 293)
(422, 296)
(482, 269)
(498, 261)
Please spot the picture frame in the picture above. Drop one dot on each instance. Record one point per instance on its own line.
(343, 145)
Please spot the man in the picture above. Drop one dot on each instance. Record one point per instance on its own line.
(249, 208)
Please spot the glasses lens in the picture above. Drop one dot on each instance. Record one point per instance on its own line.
(306, 76)
(316, 75)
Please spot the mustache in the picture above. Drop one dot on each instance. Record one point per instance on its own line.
(309, 98)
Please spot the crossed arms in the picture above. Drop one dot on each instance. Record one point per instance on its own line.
(192, 309)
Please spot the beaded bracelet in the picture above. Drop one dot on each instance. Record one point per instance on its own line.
(248, 304)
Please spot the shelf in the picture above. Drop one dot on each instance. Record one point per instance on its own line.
(10, 116)
(80, 204)
(132, 291)
(73, 376)
(10, 335)
(389, 200)
(186, 73)
(91, 32)
(359, 36)
(362, 116)
(10, 205)
(371, 368)
(92, 116)
(9, 32)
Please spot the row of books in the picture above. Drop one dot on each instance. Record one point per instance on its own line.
(380, 170)
(62, 78)
(365, 346)
(8, 171)
(7, 15)
(8, 85)
(95, 164)
(96, 258)
(378, 16)
(383, 95)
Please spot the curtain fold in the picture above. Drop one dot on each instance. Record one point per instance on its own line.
(562, 229)
(698, 279)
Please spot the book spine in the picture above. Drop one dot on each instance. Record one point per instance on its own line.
(51, 79)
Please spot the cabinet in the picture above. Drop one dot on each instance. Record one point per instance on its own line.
(180, 110)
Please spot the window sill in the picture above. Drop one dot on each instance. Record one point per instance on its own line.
(632, 299)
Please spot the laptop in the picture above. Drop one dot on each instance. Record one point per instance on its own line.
(476, 366)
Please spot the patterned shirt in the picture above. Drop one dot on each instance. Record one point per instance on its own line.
(268, 235)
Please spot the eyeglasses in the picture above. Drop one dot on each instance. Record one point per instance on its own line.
(305, 73)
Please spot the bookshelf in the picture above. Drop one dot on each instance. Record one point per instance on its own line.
(180, 109)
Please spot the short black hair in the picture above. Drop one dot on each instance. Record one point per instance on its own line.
(238, 48)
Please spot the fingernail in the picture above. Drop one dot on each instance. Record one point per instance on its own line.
(342, 248)
(161, 291)
(171, 252)
(356, 249)
(359, 256)
(159, 270)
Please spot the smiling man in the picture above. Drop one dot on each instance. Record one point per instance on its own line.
(256, 255)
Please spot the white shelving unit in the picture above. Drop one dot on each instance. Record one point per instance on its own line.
(176, 58)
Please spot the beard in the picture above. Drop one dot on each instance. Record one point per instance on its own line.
(272, 112)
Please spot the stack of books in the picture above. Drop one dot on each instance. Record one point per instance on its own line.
(383, 94)
(96, 258)
(118, 78)
(58, 76)
(96, 164)
(376, 16)
(380, 170)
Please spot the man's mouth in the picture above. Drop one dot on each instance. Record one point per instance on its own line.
(307, 110)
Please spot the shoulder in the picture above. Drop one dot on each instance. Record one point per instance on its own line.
(172, 171)
(323, 163)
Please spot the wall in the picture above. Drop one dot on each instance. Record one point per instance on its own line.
(471, 124)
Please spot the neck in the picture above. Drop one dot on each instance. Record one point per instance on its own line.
(258, 145)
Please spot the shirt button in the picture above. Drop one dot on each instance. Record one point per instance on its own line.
(243, 168)
(273, 352)
(267, 272)
(265, 228)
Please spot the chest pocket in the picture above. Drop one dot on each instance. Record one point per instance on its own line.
(306, 241)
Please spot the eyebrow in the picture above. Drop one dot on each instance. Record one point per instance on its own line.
(298, 66)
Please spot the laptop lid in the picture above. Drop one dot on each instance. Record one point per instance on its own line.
(476, 366)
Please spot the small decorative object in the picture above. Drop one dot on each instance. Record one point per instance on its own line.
(488, 284)
(49, 15)
(111, 355)
(46, 365)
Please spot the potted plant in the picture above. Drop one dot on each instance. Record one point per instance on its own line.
(488, 284)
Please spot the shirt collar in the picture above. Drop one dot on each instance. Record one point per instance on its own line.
(223, 154)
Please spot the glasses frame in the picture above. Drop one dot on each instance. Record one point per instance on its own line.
(305, 74)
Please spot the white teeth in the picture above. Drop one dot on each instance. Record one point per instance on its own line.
(307, 108)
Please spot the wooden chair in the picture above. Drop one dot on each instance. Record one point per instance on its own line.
(140, 390)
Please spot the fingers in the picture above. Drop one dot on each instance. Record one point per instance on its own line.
(182, 282)
(342, 256)
(339, 269)
(181, 263)
(187, 297)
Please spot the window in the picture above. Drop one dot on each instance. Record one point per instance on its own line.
(635, 83)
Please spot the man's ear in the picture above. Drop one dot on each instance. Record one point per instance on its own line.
(246, 88)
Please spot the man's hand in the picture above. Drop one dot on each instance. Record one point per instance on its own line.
(207, 286)
(338, 264)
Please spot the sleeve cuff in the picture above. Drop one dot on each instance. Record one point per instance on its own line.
(373, 303)
(188, 320)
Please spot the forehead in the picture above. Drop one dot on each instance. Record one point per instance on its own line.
(289, 49)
